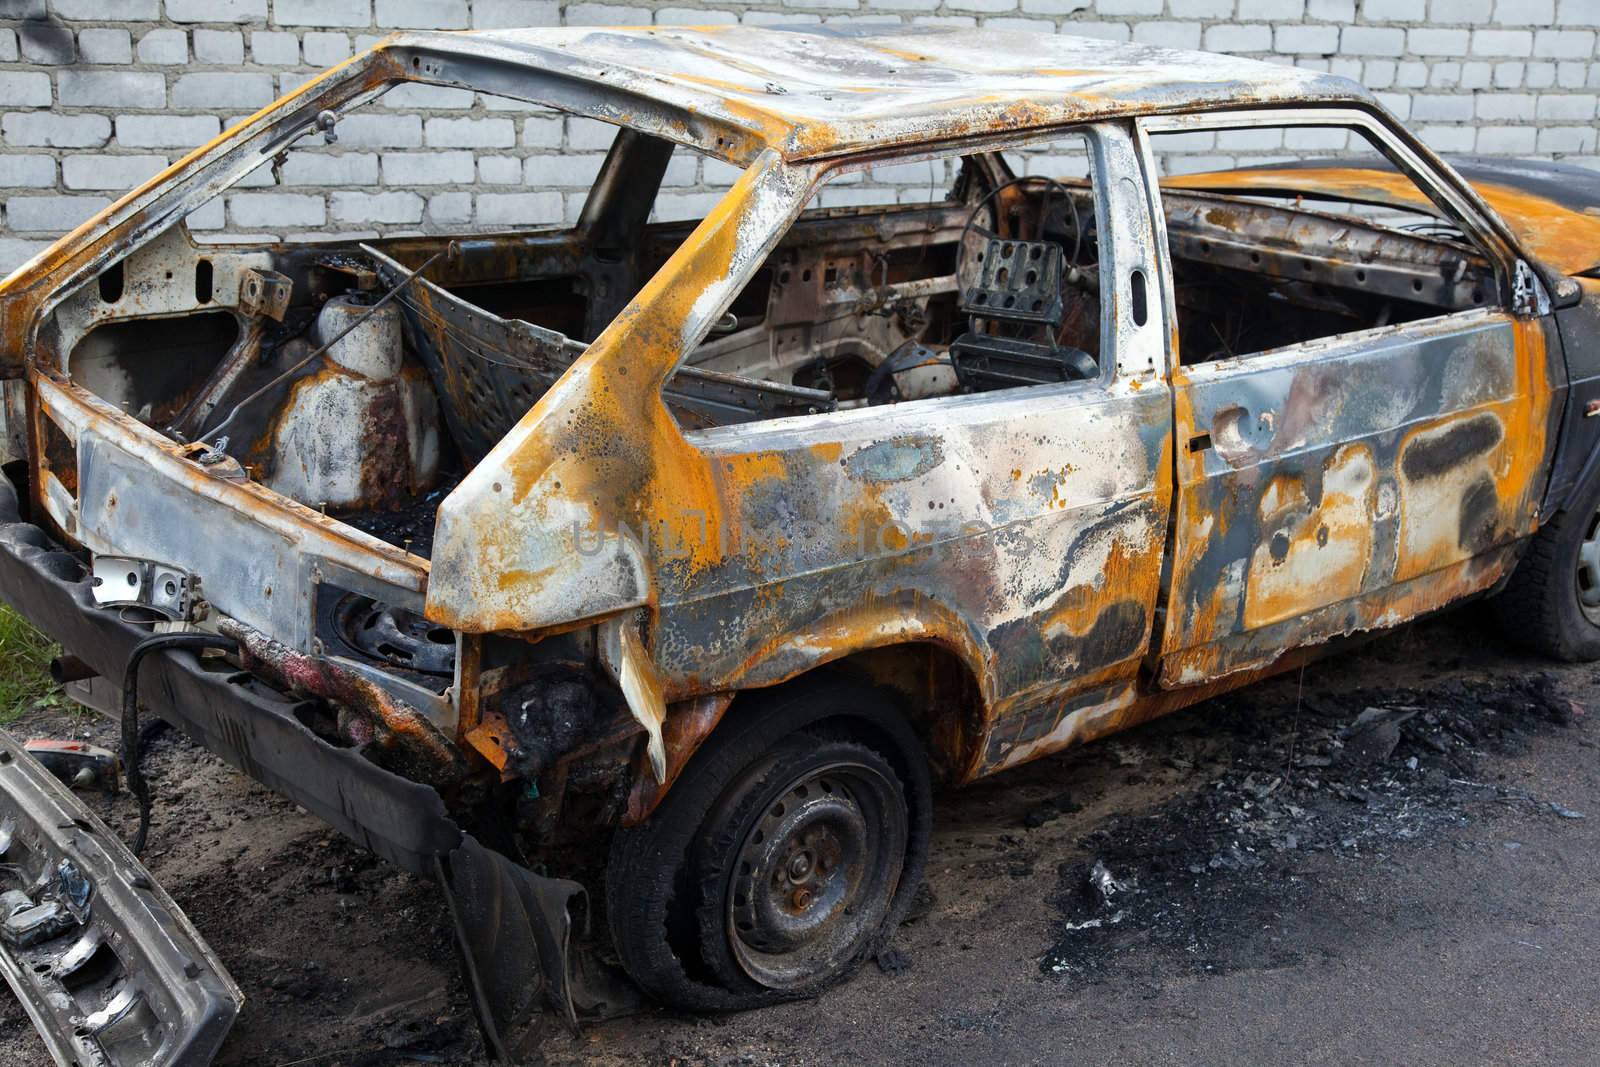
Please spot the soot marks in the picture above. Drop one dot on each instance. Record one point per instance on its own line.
(1435, 455)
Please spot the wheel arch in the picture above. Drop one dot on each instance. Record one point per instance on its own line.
(933, 689)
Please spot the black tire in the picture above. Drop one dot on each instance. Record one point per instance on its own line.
(1543, 606)
(676, 888)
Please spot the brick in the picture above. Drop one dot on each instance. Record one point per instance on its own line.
(1200, 9)
(617, 15)
(107, 10)
(1323, 40)
(164, 47)
(1377, 73)
(589, 134)
(1060, 7)
(429, 168)
(471, 133)
(1168, 34)
(105, 46)
(276, 210)
(1540, 75)
(208, 216)
(225, 47)
(1264, 10)
(109, 172)
(391, 207)
(325, 49)
(681, 170)
(328, 168)
(1411, 75)
(542, 132)
(1502, 43)
(683, 16)
(1236, 39)
(1460, 12)
(50, 214)
(1566, 107)
(569, 171)
(380, 131)
(1508, 75)
(1331, 10)
(25, 88)
(778, 18)
(422, 15)
(272, 48)
(976, 5)
(1564, 44)
(47, 44)
(1449, 138)
(1507, 140)
(509, 209)
(210, 91)
(1504, 107)
(500, 14)
(23, 9)
(1565, 140)
(350, 13)
(14, 252)
(1572, 75)
(450, 209)
(166, 131)
(111, 88)
(1442, 107)
(217, 10)
(1373, 40)
(1394, 11)
(506, 170)
(8, 45)
(55, 131)
(1525, 12)
(1577, 13)
(1436, 42)
(27, 172)
(435, 97)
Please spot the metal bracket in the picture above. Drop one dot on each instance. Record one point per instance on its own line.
(265, 292)
(121, 581)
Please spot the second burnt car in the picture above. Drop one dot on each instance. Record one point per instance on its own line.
(730, 537)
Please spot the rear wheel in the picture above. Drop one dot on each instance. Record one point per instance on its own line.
(785, 856)
(1552, 603)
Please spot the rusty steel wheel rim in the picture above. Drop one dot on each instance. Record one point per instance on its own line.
(1588, 570)
(815, 876)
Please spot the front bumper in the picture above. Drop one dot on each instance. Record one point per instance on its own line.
(106, 965)
(514, 926)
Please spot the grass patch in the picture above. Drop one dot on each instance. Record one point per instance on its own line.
(25, 655)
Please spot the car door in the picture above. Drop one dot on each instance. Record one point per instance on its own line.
(1351, 481)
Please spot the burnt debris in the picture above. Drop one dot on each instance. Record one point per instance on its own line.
(1348, 776)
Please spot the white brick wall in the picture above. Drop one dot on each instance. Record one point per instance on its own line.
(96, 95)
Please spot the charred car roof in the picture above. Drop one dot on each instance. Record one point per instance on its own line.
(821, 91)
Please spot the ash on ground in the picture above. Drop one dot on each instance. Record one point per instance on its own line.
(1214, 878)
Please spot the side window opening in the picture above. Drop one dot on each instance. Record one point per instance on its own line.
(927, 278)
(1321, 236)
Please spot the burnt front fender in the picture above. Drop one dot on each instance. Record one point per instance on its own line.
(255, 728)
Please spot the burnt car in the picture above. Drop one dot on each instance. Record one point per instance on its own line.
(728, 538)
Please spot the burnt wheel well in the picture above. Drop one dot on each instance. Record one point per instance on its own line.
(926, 683)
